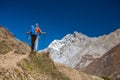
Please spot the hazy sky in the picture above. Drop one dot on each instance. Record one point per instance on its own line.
(60, 17)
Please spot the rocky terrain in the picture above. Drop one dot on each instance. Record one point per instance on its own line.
(78, 50)
(11, 48)
(107, 65)
(17, 63)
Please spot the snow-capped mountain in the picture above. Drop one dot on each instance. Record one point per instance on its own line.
(78, 50)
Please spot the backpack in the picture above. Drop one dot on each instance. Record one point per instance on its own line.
(33, 30)
(38, 29)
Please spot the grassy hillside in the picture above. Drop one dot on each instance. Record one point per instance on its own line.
(42, 64)
(36, 67)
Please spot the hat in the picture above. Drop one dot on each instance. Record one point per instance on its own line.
(36, 24)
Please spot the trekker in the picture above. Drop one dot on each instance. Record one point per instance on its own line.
(34, 32)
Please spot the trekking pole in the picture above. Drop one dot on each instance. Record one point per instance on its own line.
(27, 38)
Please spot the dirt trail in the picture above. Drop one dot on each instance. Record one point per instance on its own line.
(10, 59)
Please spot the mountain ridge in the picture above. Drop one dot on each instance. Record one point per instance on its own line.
(78, 50)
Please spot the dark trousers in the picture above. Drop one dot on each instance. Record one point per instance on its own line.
(34, 37)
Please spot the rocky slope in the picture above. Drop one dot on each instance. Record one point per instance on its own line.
(16, 63)
(8, 42)
(78, 50)
(11, 49)
(107, 65)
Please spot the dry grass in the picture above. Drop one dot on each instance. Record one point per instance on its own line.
(42, 64)
(4, 48)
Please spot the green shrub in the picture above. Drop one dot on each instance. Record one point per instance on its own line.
(105, 78)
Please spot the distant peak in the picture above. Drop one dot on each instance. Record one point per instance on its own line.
(76, 34)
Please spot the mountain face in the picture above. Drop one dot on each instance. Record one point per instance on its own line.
(18, 63)
(78, 50)
(107, 65)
